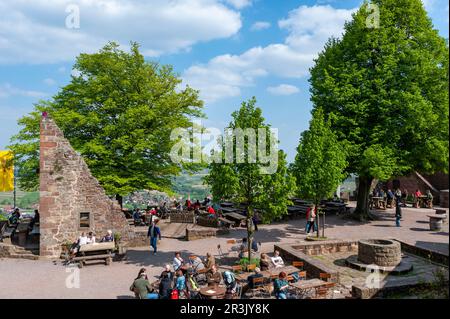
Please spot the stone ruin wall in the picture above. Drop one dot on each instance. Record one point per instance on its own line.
(67, 188)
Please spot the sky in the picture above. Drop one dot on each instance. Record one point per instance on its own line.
(230, 50)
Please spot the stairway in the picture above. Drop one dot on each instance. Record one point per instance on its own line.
(13, 251)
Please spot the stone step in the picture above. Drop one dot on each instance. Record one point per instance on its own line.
(24, 256)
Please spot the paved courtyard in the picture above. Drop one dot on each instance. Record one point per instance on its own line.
(47, 279)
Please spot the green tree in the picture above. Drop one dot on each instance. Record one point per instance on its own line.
(385, 91)
(244, 182)
(118, 112)
(320, 162)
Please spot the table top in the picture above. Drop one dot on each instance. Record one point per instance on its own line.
(268, 273)
(308, 284)
(234, 215)
(213, 291)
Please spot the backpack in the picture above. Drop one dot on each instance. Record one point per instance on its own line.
(174, 294)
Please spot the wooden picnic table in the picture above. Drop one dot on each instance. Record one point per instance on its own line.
(213, 292)
(242, 277)
(303, 287)
(235, 217)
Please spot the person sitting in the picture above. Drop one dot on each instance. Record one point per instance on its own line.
(193, 288)
(180, 283)
(165, 286)
(404, 197)
(167, 272)
(281, 286)
(429, 201)
(213, 277)
(142, 288)
(417, 196)
(230, 282)
(390, 198)
(277, 261)
(177, 261)
(91, 238)
(14, 218)
(243, 248)
(250, 278)
(108, 237)
(211, 211)
(197, 205)
(210, 261)
(197, 264)
(82, 240)
(264, 262)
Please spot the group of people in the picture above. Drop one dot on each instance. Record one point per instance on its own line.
(179, 280)
(89, 238)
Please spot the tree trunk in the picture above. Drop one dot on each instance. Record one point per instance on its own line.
(362, 205)
(323, 226)
(249, 233)
(119, 199)
(317, 218)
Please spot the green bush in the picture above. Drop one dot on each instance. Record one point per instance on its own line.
(244, 262)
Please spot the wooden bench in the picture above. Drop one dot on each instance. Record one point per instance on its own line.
(97, 251)
(225, 222)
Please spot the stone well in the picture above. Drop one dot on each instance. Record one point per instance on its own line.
(381, 252)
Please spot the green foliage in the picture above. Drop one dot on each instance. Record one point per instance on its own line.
(320, 161)
(244, 262)
(385, 91)
(118, 113)
(244, 182)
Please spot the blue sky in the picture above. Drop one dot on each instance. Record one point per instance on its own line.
(229, 49)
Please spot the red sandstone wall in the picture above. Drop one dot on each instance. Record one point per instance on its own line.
(68, 188)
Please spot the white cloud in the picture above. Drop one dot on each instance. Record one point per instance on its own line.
(8, 90)
(239, 4)
(35, 31)
(260, 25)
(308, 30)
(49, 81)
(283, 89)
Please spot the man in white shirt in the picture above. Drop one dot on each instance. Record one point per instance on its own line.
(177, 261)
(277, 261)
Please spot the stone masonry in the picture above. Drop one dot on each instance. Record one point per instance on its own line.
(67, 189)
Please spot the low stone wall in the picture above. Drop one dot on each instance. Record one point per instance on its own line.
(326, 247)
(432, 255)
(138, 238)
(194, 234)
(312, 266)
(207, 222)
(186, 218)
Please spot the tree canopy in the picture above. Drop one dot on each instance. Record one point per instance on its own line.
(243, 182)
(320, 161)
(118, 112)
(384, 89)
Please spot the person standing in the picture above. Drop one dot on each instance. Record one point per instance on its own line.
(310, 219)
(398, 209)
(154, 233)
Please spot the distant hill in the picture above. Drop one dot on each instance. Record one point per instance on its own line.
(191, 184)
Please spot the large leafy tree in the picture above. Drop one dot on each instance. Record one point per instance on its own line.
(320, 161)
(385, 90)
(244, 182)
(118, 112)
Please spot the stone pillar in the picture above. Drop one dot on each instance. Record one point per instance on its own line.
(67, 188)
